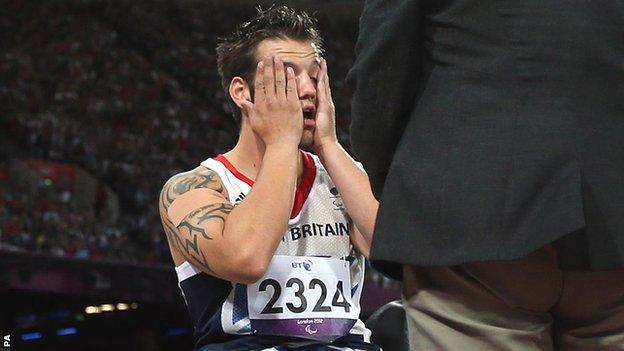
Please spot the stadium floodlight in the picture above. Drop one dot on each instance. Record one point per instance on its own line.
(134, 305)
(122, 306)
(92, 309)
(107, 307)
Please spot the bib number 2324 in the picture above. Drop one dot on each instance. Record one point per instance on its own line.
(338, 300)
(303, 296)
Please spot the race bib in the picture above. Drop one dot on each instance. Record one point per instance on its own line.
(303, 296)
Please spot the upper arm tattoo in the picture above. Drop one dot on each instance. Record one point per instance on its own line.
(183, 182)
(185, 236)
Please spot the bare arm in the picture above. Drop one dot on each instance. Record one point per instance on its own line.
(233, 243)
(189, 238)
(361, 244)
(237, 244)
(354, 186)
(352, 182)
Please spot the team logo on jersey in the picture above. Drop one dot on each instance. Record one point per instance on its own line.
(338, 204)
(337, 199)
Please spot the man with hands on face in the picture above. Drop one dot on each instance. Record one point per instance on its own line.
(268, 240)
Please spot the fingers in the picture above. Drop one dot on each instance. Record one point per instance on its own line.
(291, 85)
(280, 79)
(320, 83)
(322, 87)
(325, 77)
(269, 78)
(259, 94)
(247, 107)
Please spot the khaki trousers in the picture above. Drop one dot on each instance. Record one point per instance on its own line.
(525, 304)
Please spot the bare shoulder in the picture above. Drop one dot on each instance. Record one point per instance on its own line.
(188, 237)
(200, 177)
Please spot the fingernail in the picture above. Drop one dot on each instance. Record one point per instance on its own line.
(260, 64)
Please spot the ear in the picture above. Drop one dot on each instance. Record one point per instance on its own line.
(239, 92)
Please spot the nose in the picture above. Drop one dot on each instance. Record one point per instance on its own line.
(307, 87)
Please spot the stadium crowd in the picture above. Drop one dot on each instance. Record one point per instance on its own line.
(130, 93)
(46, 221)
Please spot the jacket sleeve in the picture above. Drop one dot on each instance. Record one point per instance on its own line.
(385, 78)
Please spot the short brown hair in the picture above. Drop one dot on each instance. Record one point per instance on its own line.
(236, 53)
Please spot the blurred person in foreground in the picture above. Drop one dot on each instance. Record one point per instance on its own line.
(269, 240)
(493, 134)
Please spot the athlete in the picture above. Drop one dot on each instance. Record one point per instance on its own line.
(269, 240)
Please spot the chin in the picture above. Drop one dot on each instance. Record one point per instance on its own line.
(307, 140)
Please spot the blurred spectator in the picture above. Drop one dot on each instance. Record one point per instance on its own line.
(128, 91)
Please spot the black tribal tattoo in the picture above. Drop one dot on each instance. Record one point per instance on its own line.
(184, 182)
(220, 211)
(185, 237)
(185, 247)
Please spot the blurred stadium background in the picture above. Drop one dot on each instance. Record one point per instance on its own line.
(100, 102)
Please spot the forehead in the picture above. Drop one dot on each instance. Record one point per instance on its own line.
(288, 49)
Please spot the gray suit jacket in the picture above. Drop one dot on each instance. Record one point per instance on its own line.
(490, 128)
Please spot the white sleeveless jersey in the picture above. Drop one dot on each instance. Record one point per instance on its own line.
(319, 226)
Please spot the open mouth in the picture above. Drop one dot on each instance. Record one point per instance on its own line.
(309, 113)
(309, 117)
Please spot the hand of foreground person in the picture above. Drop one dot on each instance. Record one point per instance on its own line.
(275, 115)
(325, 132)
